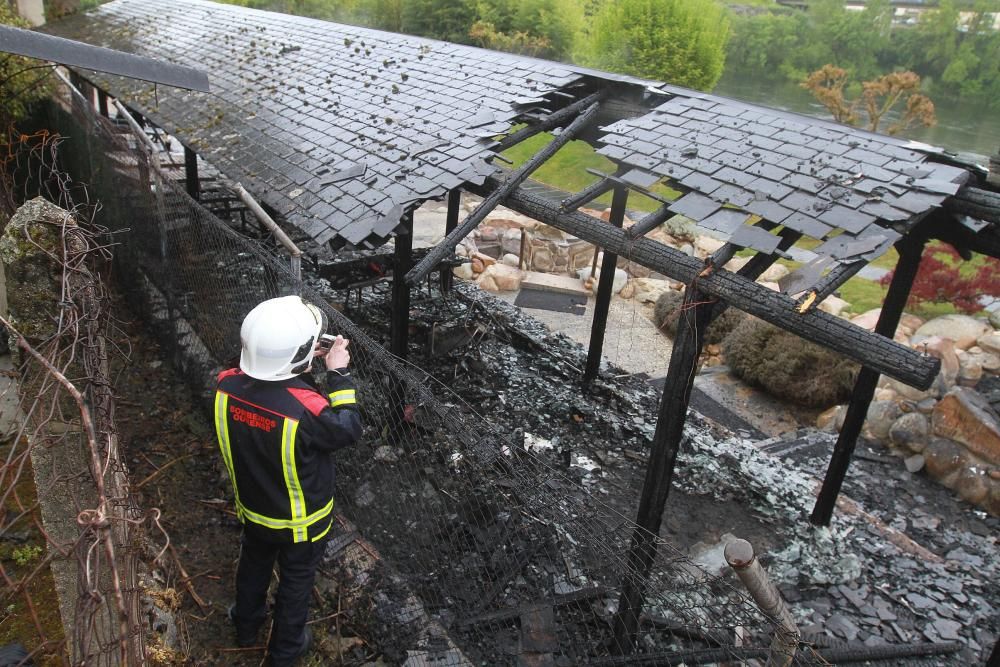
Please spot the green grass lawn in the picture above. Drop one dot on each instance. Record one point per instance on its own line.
(567, 170)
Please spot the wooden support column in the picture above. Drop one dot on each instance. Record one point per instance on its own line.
(450, 224)
(603, 302)
(400, 318)
(672, 414)
(910, 250)
(102, 103)
(191, 173)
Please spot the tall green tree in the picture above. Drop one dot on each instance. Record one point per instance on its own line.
(678, 41)
(449, 20)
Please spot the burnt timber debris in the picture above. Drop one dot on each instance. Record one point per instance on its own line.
(343, 137)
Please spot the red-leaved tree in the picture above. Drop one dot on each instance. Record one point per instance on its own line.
(940, 280)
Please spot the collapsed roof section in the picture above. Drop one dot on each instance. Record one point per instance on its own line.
(340, 129)
(855, 191)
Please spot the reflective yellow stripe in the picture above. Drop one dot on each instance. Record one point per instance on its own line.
(222, 431)
(321, 535)
(305, 522)
(292, 477)
(342, 397)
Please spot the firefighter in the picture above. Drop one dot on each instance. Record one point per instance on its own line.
(276, 431)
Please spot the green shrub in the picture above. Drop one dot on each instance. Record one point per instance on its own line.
(788, 367)
(665, 314)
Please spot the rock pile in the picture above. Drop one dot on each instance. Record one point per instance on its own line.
(951, 430)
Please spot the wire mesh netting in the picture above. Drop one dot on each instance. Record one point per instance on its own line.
(489, 554)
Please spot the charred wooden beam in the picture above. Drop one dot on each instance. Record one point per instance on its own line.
(555, 119)
(985, 241)
(191, 173)
(603, 303)
(102, 102)
(834, 279)
(878, 352)
(910, 249)
(650, 222)
(447, 245)
(587, 195)
(760, 263)
(450, 223)
(399, 324)
(975, 202)
(694, 317)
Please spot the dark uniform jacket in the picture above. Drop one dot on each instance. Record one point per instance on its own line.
(276, 439)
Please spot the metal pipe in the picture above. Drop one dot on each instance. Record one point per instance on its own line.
(740, 556)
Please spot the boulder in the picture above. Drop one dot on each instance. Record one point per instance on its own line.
(886, 394)
(477, 265)
(912, 393)
(510, 259)
(463, 271)
(914, 463)
(909, 324)
(994, 319)
(648, 290)
(970, 373)
(832, 420)
(706, 245)
(736, 263)
(910, 432)
(943, 458)
(990, 361)
(965, 416)
(962, 329)
(542, 260)
(621, 279)
(973, 484)
(943, 349)
(834, 305)
(774, 273)
(510, 242)
(881, 415)
(867, 319)
(500, 278)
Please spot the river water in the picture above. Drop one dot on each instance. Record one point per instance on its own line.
(961, 128)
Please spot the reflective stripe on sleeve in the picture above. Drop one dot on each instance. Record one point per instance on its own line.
(342, 397)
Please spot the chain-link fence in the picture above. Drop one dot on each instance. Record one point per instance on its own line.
(70, 529)
(483, 539)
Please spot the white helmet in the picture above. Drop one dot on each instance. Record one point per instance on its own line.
(278, 338)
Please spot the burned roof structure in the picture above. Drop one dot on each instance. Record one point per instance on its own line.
(339, 129)
(343, 131)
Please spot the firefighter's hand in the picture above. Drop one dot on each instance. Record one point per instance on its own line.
(338, 356)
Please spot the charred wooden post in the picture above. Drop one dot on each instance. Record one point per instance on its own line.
(399, 323)
(910, 250)
(191, 173)
(603, 303)
(450, 223)
(438, 252)
(833, 280)
(977, 203)
(650, 222)
(758, 264)
(552, 120)
(672, 414)
(102, 103)
(588, 194)
(883, 354)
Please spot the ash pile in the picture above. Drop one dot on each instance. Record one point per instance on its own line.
(514, 531)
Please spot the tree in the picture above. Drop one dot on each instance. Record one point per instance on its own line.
(678, 41)
(878, 98)
(449, 20)
(940, 279)
(23, 81)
